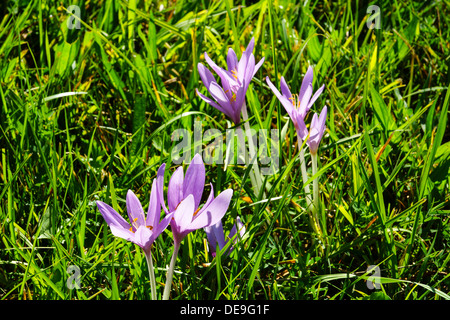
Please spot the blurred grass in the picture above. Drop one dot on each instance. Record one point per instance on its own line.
(88, 113)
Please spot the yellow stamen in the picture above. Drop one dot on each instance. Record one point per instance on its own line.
(150, 227)
(196, 212)
(234, 72)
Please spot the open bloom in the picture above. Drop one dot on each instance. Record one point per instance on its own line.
(216, 236)
(297, 106)
(230, 96)
(141, 230)
(184, 195)
(316, 130)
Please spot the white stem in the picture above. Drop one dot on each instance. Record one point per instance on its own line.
(151, 273)
(304, 174)
(246, 160)
(251, 148)
(169, 277)
(315, 183)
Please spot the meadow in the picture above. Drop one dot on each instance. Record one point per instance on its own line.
(92, 104)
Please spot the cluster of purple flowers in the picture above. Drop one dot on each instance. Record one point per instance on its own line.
(184, 212)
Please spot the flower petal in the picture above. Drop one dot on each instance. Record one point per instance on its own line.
(287, 104)
(154, 207)
(160, 186)
(307, 80)
(206, 75)
(122, 233)
(194, 181)
(303, 108)
(285, 88)
(111, 216)
(175, 189)
(135, 211)
(315, 96)
(214, 104)
(143, 237)
(232, 60)
(214, 212)
(182, 218)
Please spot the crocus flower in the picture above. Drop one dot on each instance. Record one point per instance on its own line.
(192, 184)
(184, 195)
(216, 236)
(141, 230)
(316, 130)
(229, 97)
(297, 106)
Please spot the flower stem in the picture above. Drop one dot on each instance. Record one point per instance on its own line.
(151, 273)
(315, 185)
(251, 148)
(304, 174)
(169, 277)
(312, 208)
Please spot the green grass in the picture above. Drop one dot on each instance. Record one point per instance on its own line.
(384, 160)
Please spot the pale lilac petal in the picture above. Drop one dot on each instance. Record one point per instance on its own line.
(182, 218)
(248, 74)
(219, 95)
(284, 88)
(250, 45)
(122, 233)
(322, 118)
(232, 60)
(135, 211)
(208, 201)
(214, 104)
(162, 225)
(287, 104)
(300, 127)
(220, 236)
(143, 237)
(214, 212)
(223, 74)
(160, 186)
(111, 216)
(175, 189)
(211, 237)
(303, 108)
(194, 180)
(307, 81)
(206, 75)
(154, 207)
(315, 96)
(242, 65)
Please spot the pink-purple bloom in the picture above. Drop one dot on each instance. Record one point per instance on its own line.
(229, 97)
(216, 236)
(316, 130)
(141, 230)
(184, 195)
(297, 106)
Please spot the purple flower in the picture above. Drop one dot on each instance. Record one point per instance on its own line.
(184, 195)
(297, 106)
(316, 130)
(230, 96)
(216, 236)
(142, 230)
